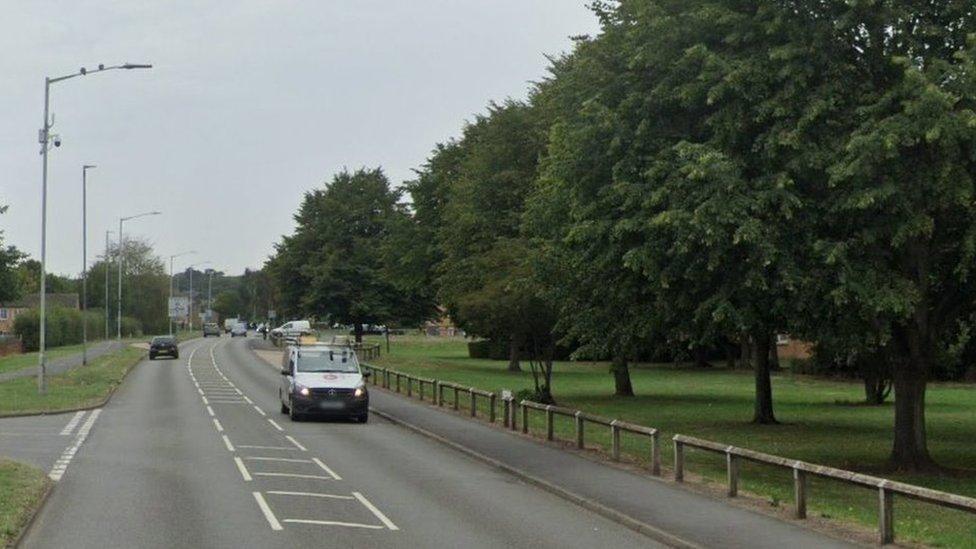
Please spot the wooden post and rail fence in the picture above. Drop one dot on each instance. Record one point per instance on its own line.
(801, 471)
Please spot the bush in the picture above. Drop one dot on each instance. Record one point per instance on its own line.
(488, 349)
(64, 327)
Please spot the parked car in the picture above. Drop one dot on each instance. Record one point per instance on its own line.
(163, 345)
(323, 380)
(211, 329)
(240, 329)
(292, 330)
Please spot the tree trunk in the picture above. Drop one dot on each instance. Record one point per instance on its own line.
(910, 451)
(774, 356)
(730, 356)
(701, 360)
(764, 387)
(621, 377)
(358, 331)
(514, 350)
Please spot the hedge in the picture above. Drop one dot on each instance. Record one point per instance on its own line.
(64, 327)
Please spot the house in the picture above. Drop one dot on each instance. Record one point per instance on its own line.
(789, 348)
(10, 310)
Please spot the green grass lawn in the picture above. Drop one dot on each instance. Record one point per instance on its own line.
(822, 422)
(77, 388)
(21, 488)
(12, 363)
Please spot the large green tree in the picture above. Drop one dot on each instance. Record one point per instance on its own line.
(10, 287)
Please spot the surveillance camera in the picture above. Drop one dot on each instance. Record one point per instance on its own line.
(57, 140)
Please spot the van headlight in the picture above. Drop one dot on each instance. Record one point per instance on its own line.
(360, 392)
(302, 390)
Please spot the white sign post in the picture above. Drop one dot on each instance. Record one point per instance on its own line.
(179, 307)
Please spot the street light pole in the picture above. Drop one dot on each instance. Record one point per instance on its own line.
(171, 258)
(84, 263)
(45, 139)
(106, 281)
(118, 320)
(190, 312)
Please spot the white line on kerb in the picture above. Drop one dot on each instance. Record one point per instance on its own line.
(62, 464)
(242, 469)
(260, 411)
(326, 468)
(72, 424)
(334, 523)
(276, 426)
(308, 494)
(268, 514)
(295, 442)
(220, 428)
(230, 447)
(362, 499)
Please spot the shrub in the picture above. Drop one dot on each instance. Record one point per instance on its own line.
(64, 327)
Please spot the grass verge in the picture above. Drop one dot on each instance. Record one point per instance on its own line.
(22, 489)
(78, 388)
(822, 422)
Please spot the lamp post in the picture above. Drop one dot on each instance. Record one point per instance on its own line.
(210, 273)
(190, 312)
(106, 280)
(46, 139)
(118, 320)
(84, 262)
(171, 258)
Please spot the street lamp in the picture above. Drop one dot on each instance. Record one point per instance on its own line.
(106, 280)
(84, 262)
(46, 139)
(118, 320)
(171, 258)
(190, 312)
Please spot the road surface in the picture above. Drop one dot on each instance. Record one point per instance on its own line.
(193, 453)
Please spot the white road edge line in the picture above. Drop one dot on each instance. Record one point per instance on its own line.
(295, 442)
(268, 514)
(260, 411)
(72, 424)
(308, 494)
(326, 468)
(362, 499)
(230, 447)
(218, 426)
(210, 411)
(276, 426)
(205, 401)
(242, 469)
(334, 523)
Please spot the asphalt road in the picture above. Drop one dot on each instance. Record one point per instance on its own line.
(193, 453)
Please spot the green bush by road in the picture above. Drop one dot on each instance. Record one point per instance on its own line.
(77, 388)
(823, 422)
(21, 490)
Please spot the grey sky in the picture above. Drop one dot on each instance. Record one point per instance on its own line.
(251, 103)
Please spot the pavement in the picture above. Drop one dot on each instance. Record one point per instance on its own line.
(63, 364)
(194, 453)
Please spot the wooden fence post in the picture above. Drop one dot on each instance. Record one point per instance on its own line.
(800, 492)
(579, 430)
(615, 440)
(679, 461)
(398, 382)
(656, 454)
(409, 386)
(886, 516)
(420, 388)
(525, 418)
(491, 408)
(550, 420)
(732, 472)
(474, 402)
(456, 398)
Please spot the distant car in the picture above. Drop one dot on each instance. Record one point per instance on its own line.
(229, 324)
(323, 380)
(292, 330)
(211, 329)
(163, 345)
(239, 329)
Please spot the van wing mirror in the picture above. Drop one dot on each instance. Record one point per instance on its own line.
(367, 373)
(285, 372)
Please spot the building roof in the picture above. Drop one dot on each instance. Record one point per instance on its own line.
(68, 300)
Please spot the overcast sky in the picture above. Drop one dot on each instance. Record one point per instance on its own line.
(250, 103)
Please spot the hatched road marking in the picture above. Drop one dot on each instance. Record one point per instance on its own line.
(295, 442)
(362, 499)
(268, 514)
(72, 424)
(61, 466)
(308, 494)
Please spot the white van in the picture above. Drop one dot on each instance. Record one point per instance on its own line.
(292, 330)
(323, 380)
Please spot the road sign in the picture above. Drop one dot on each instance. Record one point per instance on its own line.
(272, 314)
(179, 307)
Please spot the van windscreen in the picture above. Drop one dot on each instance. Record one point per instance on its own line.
(328, 360)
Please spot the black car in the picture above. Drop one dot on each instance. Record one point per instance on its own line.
(163, 345)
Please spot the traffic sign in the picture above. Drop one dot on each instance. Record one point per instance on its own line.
(179, 307)
(272, 314)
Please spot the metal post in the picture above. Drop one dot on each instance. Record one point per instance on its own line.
(106, 283)
(209, 292)
(45, 136)
(886, 516)
(732, 472)
(579, 430)
(679, 461)
(189, 311)
(170, 293)
(549, 422)
(615, 440)
(118, 320)
(800, 492)
(84, 264)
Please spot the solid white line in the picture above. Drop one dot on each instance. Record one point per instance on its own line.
(289, 460)
(292, 475)
(276, 426)
(249, 401)
(220, 428)
(275, 525)
(260, 411)
(326, 468)
(264, 447)
(210, 411)
(230, 447)
(205, 401)
(308, 494)
(334, 523)
(242, 469)
(200, 391)
(295, 442)
(61, 466)
(362, 499)
(72, 424)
